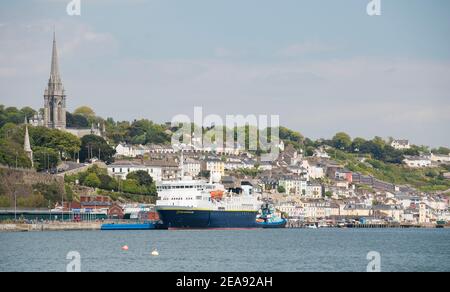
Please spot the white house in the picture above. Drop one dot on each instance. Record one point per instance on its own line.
(121, 169)
(440, 158)
(293, 211)
(320, 153)
(313, 191)
(192, 167)
(400, 144)
(417, 161)
(125, 150)
(293, 185)
(159, 170)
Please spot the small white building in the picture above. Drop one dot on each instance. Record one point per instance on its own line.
(321, 153)
(400, 144)
(125, 150)
(440, 158)
(417, 161)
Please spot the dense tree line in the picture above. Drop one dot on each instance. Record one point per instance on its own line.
(139, 182)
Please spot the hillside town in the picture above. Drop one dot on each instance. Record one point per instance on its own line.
(94, 168)
(303, 188)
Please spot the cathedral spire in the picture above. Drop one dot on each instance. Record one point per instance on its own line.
(54, 73)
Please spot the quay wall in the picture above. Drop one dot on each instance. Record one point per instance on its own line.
(66, 226)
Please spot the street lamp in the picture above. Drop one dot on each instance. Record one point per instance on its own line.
(15, 205)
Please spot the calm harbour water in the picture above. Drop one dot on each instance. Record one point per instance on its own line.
(287, 250)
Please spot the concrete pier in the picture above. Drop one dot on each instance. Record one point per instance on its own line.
(52, 226)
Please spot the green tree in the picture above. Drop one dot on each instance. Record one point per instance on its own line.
(153, 133)
(45, 158)
(12, 154)
(65, 143)
(28, 112)
(85, 111)
(69, 193)
(441, 150)
(95, 146)
(281, 189)
(92, 181)
(76, 121)
(5, 202)
(142, 177)
(357, 144)
(52, 192)
(342, 141)
(131, 186)
(107, 182)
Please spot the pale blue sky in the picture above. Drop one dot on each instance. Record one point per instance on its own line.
(322, 65)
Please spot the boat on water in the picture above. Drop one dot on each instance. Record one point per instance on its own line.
(269, 219)
(197, 204)
(311, 226)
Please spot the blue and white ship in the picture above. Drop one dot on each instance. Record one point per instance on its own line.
(196, 204)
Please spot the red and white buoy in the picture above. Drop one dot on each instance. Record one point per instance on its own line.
(125, 247)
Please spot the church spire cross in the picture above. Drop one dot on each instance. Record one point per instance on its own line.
(54, 72)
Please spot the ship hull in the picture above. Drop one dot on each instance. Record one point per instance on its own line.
(280, 224)
(184, 218)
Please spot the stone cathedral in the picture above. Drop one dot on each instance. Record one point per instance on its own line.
(54, 96)
(54, 115)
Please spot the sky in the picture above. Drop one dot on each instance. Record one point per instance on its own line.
(323, 66)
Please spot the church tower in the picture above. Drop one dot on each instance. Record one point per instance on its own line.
(27, 145)
(54, 96)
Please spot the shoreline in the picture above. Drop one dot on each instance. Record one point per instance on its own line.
(59, 226)
(96, 226)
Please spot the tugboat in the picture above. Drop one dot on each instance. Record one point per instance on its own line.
(268, 218)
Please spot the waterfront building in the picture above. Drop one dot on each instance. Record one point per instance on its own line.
(214, 165)
(192, 167)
